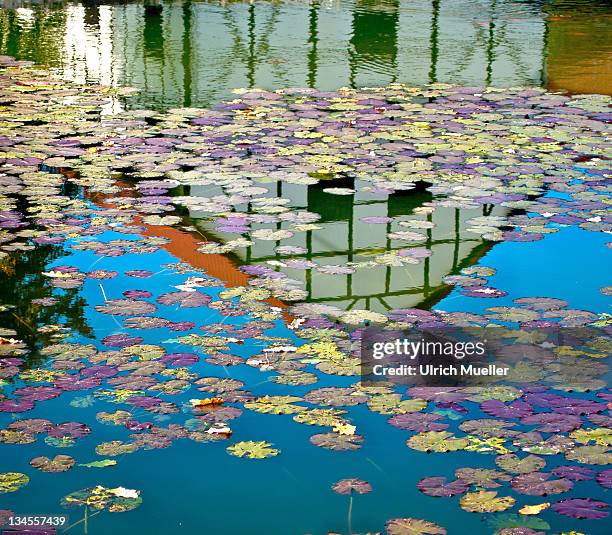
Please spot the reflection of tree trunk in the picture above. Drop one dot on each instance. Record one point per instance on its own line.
(374, 40)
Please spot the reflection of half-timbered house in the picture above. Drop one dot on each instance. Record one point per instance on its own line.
(344, 237)
(192, 53)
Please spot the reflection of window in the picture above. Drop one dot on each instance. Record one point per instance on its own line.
(373, 45)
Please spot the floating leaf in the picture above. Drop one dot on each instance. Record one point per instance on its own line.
(12, 481)
(253, 450)
(118, 500)
(581, 508)
(348, 486)
(412, 526)
(337, 442)
(437, 441)
(59, 463)
(100, 464)
(540, 484)
(438, 486)
(485, 502)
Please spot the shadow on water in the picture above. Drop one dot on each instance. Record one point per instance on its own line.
(21, 281)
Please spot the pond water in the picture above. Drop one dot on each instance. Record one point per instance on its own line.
(195, 54)
(192, 53)
(183, 53)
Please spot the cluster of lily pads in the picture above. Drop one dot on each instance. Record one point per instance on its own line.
(473, 147)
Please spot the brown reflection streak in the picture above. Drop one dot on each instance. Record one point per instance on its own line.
(183, 245)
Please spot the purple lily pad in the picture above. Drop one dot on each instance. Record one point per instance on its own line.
(605, 479)
(439, 487)
(574, 473)
(580, 508)
(184, 299)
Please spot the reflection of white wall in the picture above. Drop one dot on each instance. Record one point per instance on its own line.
(88, 51)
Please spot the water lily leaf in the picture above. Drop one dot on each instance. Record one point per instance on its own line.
(16, 437)
(534, 509)
(590, 455)
(59, 463)
(485, 502)
(393, 404)
(524, 523)
(253, 450)
(581, 508)
(100, 464)
(348, 486)
(438, 486)
(539, 484)
(335, 397)
(605, 479)
(436, 441)
(63, 442)
(275, 405)
(516, 409)
(600, 436)
(183, 299)
(115, 447)
(126, 307)
(412, 526)
(12, 481)
(481, 477)
(488, 428)
(574, 473)
(553, 423)
(295, 378)
(337, 441)
(117, 500)
(515, 465)
(322, 417)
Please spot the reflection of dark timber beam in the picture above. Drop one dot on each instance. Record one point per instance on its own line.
(363, 251)
(544, 70)
(251, 57)
(313, 40)
(186, 59)
(433, 41)
(434, 295)
(491, 45)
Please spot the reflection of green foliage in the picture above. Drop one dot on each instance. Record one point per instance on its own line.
(39, 40)
(22, 281)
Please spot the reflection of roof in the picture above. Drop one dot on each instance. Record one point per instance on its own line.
(183, 245)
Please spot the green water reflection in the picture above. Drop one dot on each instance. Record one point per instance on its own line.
(193, 53)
